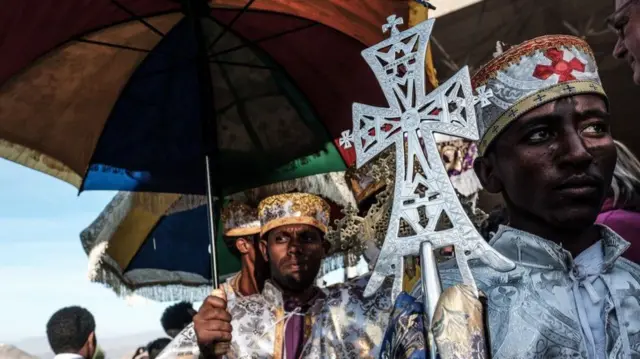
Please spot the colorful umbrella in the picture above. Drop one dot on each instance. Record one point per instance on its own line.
(164, 256)
(107, 94)
(184, 97)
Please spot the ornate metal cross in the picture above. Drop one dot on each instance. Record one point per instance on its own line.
(423, 192)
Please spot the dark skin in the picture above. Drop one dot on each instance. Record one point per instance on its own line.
(253, 267)
(553, 166)
(294, 254)
(625, 22)
(89, 347)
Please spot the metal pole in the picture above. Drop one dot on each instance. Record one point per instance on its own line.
(431, 289)
(197, 10)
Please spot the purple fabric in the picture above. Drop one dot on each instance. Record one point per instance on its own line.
(294, 331)
(625, 223)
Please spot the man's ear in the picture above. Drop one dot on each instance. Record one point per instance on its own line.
(243, 245)
(263, 250)
(486, 172)
(91, 343)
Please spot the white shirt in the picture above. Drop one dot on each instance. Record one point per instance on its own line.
(68, 356)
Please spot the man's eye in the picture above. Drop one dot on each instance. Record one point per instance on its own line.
(595, 129)
(281, 239)
(538, 136)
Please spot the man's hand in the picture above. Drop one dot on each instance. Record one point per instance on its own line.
(213, 325)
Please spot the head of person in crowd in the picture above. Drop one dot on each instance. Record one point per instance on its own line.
(293, 228)
(176, 317)
(625, 22)
(545, 142)
(157, 346)
(72, 330)
(242, 237)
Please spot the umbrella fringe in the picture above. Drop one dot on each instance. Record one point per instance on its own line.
(159, 293)
(159, 285)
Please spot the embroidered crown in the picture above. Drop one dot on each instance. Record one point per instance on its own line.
(240, 219)
(293, 208)
(529, 75)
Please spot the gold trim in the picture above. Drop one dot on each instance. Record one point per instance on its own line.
(278, 342)
(534, 100)
(292, 220)
(239, 232)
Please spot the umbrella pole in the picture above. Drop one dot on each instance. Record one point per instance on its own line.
(197, 10)
(213, 211)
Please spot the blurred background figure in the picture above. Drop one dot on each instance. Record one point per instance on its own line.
(141, 353)
(177, 317)
(71, 333)
(155, 347)
(621, 210)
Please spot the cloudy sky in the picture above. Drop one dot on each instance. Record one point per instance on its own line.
(42, 264)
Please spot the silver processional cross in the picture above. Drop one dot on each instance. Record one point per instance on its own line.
(423, 191)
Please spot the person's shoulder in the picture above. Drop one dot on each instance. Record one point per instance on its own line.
(625, 265)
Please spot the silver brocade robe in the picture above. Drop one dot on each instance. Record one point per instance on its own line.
(532, 310)
(231, 290)
(341, 323)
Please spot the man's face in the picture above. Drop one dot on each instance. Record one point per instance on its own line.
(294, 253)
(625, 21)
(555, 163)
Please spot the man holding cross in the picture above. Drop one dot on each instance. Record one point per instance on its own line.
(545, 145)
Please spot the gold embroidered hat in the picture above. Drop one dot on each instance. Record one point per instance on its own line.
(529, 75)
(293, 208)
(240, 219)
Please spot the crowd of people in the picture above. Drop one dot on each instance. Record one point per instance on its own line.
(569, 222)
(71, 332)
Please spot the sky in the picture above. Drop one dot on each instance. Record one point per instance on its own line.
(42, 264)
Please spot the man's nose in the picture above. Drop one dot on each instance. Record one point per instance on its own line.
(575, 152)
(619, 50)
(294, 246)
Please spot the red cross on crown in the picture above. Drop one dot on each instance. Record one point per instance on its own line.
(558, 66)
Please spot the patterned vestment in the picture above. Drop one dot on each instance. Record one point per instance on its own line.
(532, 309)
(340, 323)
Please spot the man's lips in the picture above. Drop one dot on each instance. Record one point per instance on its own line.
(294, 265)
(579, 185)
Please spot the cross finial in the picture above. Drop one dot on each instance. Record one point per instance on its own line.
(392, 24)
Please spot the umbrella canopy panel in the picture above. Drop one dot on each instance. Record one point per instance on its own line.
(133, 63)
(155, 245)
